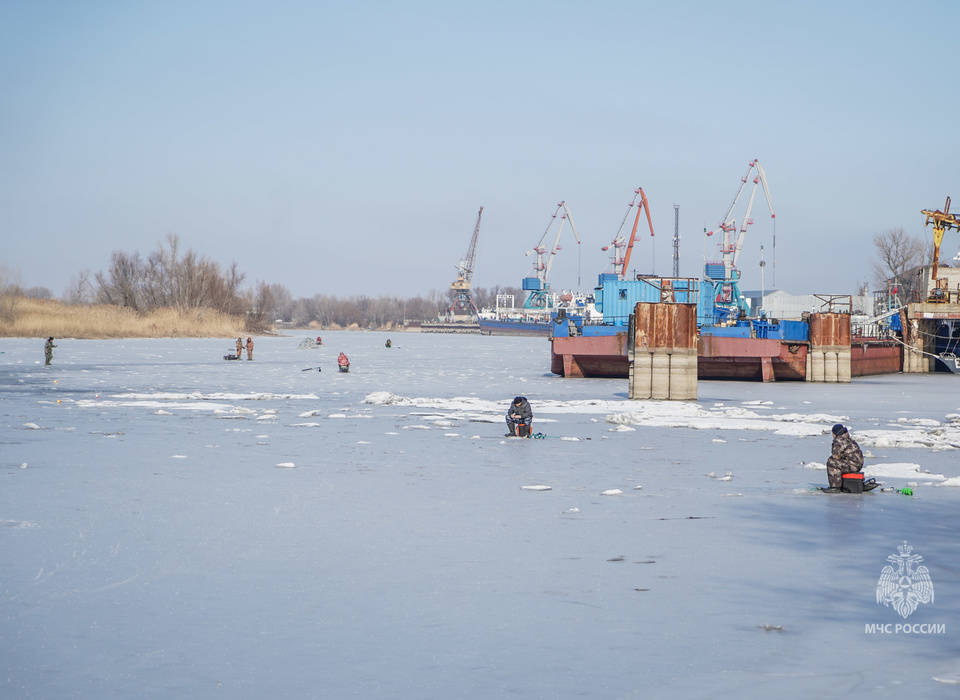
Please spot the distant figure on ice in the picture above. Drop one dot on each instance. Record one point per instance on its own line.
(249, 348)
(519, 418)
(319, 340)
(343, 362)
(239, 349)
(388, 343)
(845, 456)
(48, 350)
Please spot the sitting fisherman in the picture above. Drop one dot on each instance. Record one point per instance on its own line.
(388, 343)
(343, 362)
(519, 418)
(845, 457)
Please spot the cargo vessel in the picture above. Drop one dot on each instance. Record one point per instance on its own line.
(760, 349)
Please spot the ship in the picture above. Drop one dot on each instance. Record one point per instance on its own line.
(506, 319)
(728, 347)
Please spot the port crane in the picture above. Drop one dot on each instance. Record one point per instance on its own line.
(463, 307)
(729, 301)
(539, 286)
(942, 221)
(621, 261)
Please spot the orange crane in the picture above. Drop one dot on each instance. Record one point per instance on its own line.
(463, 307)
(622, 261)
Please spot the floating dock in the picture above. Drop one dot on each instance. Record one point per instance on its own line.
(826, 353)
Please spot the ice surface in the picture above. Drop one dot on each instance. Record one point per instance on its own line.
(378, 555)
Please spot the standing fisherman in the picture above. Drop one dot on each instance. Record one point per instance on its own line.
(249, 348)
(48, 350)
(239, 349)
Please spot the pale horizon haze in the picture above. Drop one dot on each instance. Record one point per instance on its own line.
(345, 148)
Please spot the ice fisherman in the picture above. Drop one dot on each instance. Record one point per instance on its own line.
(519, 418)
(48, 350)
(388, 343)
(239, 349)
(343, 362)
(845, 456)
(249, 348)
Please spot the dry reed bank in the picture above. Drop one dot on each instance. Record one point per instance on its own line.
(25, 317)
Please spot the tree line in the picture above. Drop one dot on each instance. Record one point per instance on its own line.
(170, 277)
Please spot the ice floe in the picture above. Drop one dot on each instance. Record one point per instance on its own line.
(926, 422)
(18, 524)
(214, 396)
(286, 465)
(537, 487)
(890, 470)
(725, 477)
(611, 492)
(625, 415)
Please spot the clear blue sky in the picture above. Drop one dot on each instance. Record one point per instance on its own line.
(344, 148)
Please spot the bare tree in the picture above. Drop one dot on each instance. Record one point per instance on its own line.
(897, 253)
(120, 285)
(80, 290)
(10, 293)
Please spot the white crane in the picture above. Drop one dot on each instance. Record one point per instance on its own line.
(730, 249)
(545, 256)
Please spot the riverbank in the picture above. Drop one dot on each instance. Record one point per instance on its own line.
(23, 317)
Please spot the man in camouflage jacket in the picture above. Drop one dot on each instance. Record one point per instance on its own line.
(845, 456)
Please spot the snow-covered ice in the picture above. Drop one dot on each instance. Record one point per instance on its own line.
(162, 545)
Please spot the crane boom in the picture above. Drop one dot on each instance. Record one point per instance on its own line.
(462, 306)
(621, 263)
(729, 300)
(942, 221)
(731, 250)
(645, 205)
(566, 216)
(540, 296)
(465, 266)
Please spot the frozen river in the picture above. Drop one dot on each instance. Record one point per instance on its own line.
(173, 525)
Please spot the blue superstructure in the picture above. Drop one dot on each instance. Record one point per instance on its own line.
(616, 300)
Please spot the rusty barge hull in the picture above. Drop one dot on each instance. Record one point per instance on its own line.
(874, 356)
(750, 359)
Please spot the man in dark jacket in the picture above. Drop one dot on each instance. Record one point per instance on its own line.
(48, 351)
(845, 456)
(519, 414)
